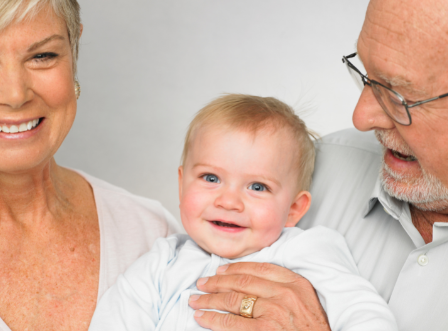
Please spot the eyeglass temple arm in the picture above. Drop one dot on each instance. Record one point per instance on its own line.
(345, 58)
(425, 101)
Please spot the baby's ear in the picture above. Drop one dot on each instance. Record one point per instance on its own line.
(299, 207)
(181, 173)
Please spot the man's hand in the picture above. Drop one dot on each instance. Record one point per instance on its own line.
(286, 301)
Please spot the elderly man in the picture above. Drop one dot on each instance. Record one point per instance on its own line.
(389, 199)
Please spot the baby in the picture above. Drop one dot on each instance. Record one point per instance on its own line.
(246, 168)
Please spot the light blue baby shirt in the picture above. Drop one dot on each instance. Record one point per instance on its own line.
(153, 293)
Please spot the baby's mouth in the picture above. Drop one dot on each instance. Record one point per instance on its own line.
(408, 158)
(226, 225)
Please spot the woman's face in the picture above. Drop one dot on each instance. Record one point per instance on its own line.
(36, 84)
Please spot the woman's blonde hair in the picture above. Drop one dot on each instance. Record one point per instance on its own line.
(252, 113)
(17, 10)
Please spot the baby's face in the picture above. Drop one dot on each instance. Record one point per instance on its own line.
(239, 190)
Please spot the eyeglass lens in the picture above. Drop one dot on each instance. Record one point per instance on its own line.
(389, 101)
(391, 104)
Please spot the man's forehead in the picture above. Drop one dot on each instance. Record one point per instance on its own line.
(410, 23)
(405, 41)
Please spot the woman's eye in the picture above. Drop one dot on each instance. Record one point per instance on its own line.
(211, 178)
(44, 57)
(257, 187)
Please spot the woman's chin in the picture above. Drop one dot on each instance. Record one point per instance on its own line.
(22, 162)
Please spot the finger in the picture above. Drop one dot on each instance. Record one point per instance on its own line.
(226, 322)
(247, 284)
(230, 302)
(266, 271)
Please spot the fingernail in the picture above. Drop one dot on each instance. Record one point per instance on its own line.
(198, 313)
(194, 298)
(202, 281)
(222, 269)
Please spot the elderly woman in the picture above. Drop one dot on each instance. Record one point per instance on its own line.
(64, 235)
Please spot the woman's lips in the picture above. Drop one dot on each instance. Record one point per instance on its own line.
(19, 127)
(20, 130)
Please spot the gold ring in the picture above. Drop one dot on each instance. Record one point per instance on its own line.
(247, 306)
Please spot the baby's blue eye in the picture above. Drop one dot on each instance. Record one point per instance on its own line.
(257, 187)
(211, 178)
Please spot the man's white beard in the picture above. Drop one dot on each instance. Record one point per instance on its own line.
(425, 192)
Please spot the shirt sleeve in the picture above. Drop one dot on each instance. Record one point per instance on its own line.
(322, 256)
(134, 301)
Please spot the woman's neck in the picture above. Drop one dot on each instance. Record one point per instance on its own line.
(34, 195)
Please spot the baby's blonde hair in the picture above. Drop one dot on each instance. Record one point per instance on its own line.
(252, 113)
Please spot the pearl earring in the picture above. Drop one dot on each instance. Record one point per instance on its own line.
(77, 89)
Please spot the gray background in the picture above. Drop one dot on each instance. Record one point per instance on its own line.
(147, 66)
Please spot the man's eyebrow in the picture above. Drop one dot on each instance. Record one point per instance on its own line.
(38, 44)
(394, 81)
(402, 82)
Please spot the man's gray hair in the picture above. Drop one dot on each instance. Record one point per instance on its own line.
(17, 10)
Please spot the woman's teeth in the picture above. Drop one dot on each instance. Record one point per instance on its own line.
(19, 128)
(400, 156)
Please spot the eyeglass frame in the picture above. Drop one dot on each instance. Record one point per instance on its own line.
(367, 81)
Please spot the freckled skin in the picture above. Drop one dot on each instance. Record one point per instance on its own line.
(409, 38)
(49, 267)
(49, 233)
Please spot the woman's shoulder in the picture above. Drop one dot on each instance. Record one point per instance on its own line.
(129, 226)
(119, 204)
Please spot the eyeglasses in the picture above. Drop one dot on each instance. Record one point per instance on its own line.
(392, 102)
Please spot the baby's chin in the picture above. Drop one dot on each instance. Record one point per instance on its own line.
(230, 253)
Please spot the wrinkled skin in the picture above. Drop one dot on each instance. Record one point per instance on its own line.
(410, 56)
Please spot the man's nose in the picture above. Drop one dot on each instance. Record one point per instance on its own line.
(369, 115)
(230, 199)
(15, 88)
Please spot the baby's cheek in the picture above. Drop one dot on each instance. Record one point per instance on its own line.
(191, 206)
(268, 221)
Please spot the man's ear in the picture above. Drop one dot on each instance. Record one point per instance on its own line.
(181, 173)
(299, 207)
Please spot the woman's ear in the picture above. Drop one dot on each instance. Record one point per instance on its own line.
(181, 173)
(299, 207)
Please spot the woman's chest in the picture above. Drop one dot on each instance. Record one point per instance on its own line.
(49, 285)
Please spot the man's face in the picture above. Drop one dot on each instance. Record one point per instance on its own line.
(404, 45)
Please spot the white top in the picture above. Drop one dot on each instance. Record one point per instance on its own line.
(389, 251)
(153, 293)
(129, 225)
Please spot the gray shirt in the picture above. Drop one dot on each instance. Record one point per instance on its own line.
(388, 249)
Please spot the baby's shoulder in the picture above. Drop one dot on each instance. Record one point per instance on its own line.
(317, 234)
(318, 238)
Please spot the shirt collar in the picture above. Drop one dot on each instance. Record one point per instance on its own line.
(399, 210)
(391, 205)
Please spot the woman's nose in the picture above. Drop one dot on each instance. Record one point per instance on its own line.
(369, 115)
(230, 200)
(14, 87)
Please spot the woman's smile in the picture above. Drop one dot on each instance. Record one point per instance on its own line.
(20, 129)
